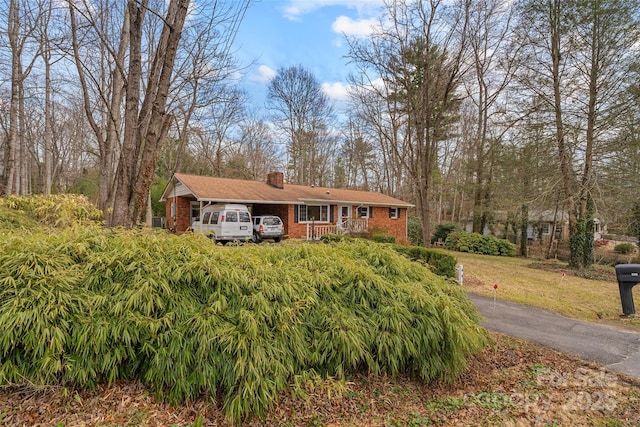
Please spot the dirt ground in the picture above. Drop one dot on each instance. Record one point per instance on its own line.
(512, 383)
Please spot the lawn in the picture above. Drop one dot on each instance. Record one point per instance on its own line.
(548, 285)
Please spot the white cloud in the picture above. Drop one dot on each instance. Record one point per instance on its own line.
(297, 8)
(335, 91)
(354, 27)
(264, 74)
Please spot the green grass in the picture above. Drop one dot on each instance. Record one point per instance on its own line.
(572, 296)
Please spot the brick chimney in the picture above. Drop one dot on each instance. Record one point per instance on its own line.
(276, 179)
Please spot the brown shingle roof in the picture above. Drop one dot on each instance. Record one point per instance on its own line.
(206, 188)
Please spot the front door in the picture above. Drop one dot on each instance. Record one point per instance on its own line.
(344, 214)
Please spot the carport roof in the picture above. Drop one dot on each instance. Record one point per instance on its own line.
(226, 190)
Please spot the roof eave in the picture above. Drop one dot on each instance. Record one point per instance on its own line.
(363, 203)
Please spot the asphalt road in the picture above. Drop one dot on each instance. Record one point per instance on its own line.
(616, 349)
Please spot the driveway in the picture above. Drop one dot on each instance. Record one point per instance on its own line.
(614, 348)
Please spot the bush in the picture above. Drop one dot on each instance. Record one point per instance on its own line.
(86, 305)
(56, 210)
(477, 243)
(443, 230)
(623, 248)
(441, 263)
(383, 238)
(333, 238)
(414, 231)
(11, 219)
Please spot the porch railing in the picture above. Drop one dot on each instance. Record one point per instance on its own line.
(349, 226)
(315, 231)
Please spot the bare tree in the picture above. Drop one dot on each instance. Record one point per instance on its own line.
(23, 18)
(258, 148)
(578, 56)
(492, 70)
(138, 88)
(102, 79)
(303, 111)
(419, 55)
(382, 121)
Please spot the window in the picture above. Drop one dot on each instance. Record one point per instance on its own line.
(231, 216)
(309, 213)
(273, 220)
(545, 228)
(205, 218)
(195, 211)
(364, 212)
(394, 213)
(244, 217)
(214, 217)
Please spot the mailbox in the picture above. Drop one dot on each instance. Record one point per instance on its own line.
(628, 276)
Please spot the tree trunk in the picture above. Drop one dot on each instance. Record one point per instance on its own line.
(146, 128)
(11, 171)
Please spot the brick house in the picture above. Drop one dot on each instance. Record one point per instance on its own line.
(307, 211)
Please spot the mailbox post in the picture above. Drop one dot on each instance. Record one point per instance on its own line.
(628, 276)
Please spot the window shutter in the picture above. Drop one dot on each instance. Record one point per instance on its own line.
(332, 214)
(370, 211)
(295, 213)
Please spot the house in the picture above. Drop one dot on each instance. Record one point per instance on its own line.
(542, 225)
(308, 212)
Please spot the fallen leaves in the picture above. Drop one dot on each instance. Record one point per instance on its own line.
(511, 383)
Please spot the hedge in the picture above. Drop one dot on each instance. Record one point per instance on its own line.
(477, 243)
(441, 263)
(86, 306)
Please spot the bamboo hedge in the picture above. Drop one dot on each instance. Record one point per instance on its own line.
(86, 305)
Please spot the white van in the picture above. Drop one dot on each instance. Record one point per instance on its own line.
(225, 223)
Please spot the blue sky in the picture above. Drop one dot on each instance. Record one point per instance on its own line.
(283, 33)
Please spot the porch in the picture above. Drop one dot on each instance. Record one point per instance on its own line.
(349, 226)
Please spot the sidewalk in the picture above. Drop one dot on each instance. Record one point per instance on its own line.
(615, 349)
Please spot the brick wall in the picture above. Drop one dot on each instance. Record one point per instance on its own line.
(395, 226)
(183, 214)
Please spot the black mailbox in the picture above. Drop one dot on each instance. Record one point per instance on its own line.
(628, 276)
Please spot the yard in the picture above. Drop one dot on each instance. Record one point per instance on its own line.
(510, 383)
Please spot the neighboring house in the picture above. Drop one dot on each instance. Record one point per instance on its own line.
(541, 226)
(307, 211)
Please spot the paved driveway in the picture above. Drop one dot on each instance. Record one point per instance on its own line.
(612, 347)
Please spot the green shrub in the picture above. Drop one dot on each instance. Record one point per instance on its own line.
(12, 219)
(333, 238)
(623, 248)
(443, 230)
(383, 238)
(414, 231)
(85, 306)
(477, 243)
(56, 210)
(440, 262)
